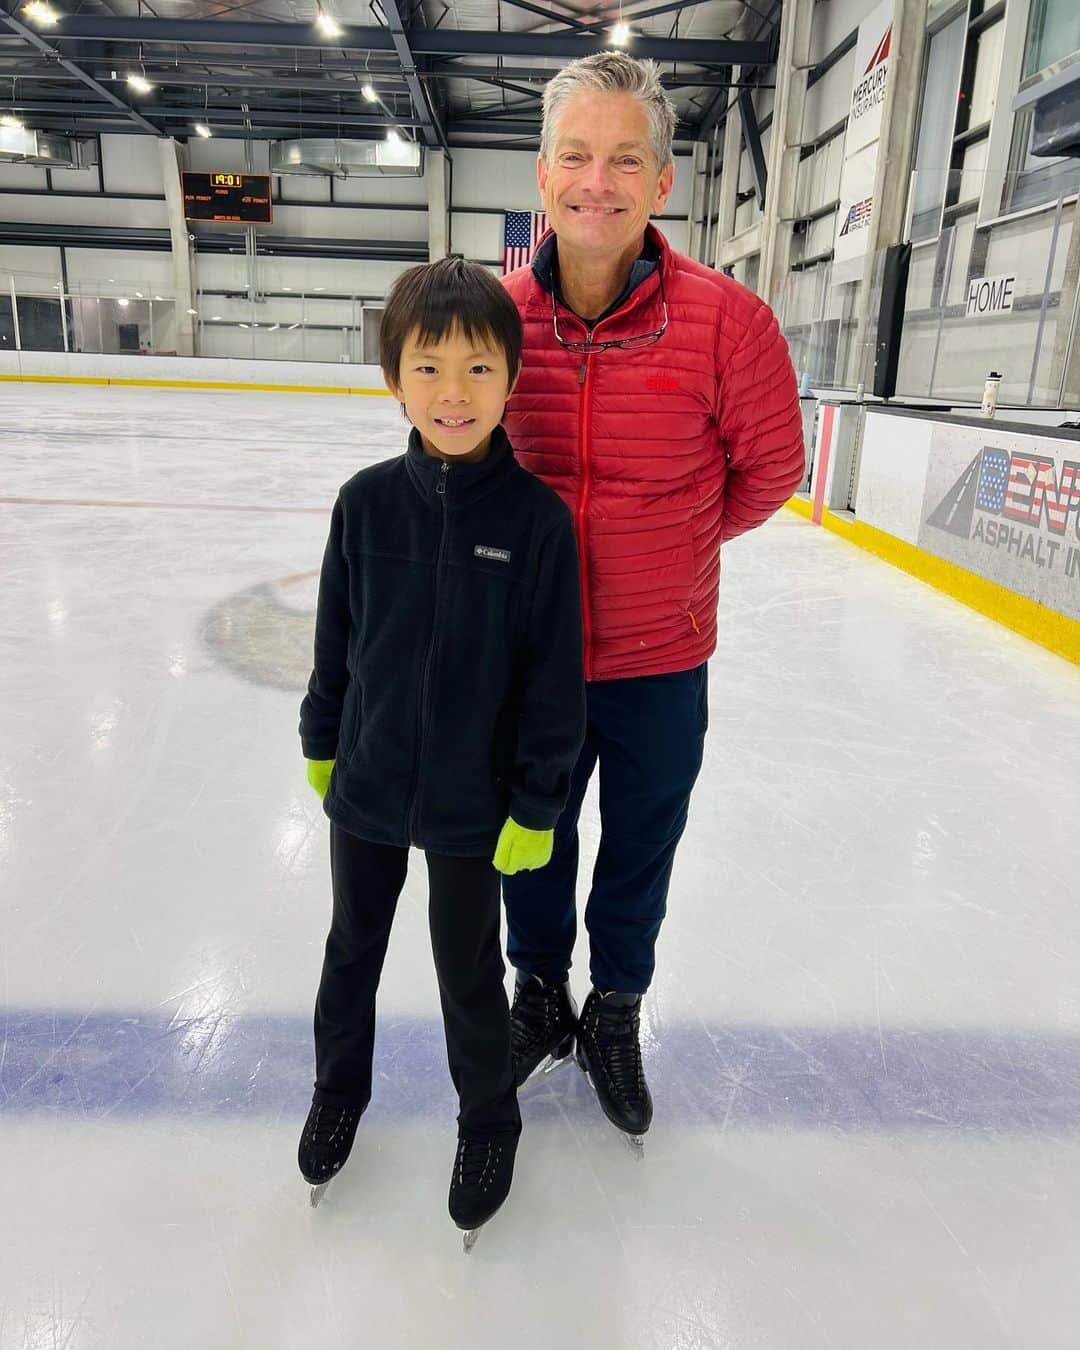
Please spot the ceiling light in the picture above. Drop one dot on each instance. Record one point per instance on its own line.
(139, 83)
(327, 25)
(201, 129)
(10, 121)
(194, 312)
(620, 35)
(369, 94)
(41, 13)
(123, 303)
(139, 295)
(245, 325)
(159, 297)
(215, 318)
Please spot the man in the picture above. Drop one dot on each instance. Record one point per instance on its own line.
(657, 397)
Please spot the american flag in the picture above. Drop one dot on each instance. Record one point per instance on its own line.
(521, 234)
(993, 475)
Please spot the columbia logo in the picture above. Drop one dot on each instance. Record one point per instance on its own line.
(494, 554)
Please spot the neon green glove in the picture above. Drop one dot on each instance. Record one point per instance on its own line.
(318, 774)
(522, 850)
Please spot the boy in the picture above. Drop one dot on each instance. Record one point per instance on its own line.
(445, 711)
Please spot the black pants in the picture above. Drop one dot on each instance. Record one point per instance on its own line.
(647, 733)
(463, 912)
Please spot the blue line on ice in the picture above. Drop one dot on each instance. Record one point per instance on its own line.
(846, 1078)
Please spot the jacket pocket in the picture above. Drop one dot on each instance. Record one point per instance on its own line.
(350, 722)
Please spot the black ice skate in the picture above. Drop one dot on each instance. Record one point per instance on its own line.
(609, 1052)
(483, 1173)
(542, 1024)
(325, 1143)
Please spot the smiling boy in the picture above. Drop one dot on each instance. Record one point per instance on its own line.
(445, 711)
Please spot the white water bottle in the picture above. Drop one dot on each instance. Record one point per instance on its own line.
(990, 394)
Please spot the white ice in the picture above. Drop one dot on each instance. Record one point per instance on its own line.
(863, 1038)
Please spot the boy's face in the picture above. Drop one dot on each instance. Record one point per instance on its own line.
(454, 392)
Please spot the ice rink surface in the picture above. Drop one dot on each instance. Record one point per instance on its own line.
(863, 1039)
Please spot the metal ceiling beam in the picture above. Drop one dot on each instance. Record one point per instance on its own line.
(39, 43)
(197, 112)
(752, 137)
(683, 80)
(718, 109)
(552, 17)
(434, 134)
(471, 125)
(188, 70)
(426, 42)
(238, 80)
(525, 90)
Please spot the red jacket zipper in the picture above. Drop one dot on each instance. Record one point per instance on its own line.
(583, 508)
(584, 422)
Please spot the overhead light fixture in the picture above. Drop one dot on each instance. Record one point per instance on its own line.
(245, 325)
(10, 121)
(139, 83)
(620, 34)
(123, 303)
(327, 25)
(37, 11)
(139, 295)
(193, 312)
(215, 318)
(369, 94)
(201, 129)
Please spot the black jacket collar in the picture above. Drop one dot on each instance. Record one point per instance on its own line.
(462, 482)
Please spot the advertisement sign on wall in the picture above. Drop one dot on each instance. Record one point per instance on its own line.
(872, 65)
(1007, 507)
(990, 295)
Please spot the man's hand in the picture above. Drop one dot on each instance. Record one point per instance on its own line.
(318, 774)
(522, 850)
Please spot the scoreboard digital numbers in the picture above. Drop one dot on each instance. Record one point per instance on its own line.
(243, 197)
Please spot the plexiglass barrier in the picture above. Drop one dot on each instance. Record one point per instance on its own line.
(1002, 296)
(38, 314)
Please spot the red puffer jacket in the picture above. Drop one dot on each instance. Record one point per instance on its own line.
(661, 453)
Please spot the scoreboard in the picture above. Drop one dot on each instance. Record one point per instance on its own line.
(241, 197)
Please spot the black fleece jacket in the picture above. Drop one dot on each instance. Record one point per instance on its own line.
(448, 683)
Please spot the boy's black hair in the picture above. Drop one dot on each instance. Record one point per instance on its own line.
(441, 297)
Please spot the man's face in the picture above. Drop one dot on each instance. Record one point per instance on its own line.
(602, 181)
(454, 392)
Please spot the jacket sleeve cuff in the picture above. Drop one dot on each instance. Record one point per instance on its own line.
(530, 816)
(319, 749)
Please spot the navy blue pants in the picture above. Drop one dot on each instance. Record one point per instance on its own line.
(647, 735)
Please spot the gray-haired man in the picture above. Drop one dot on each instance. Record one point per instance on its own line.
(657, 397)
